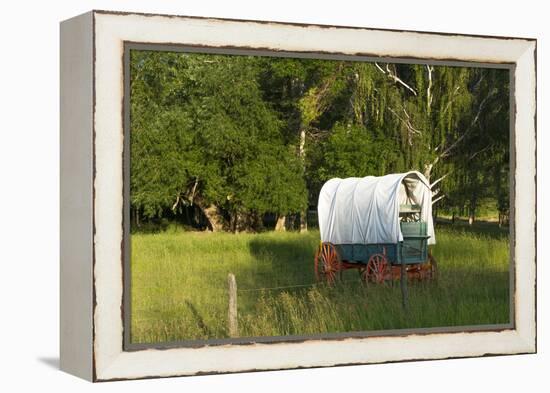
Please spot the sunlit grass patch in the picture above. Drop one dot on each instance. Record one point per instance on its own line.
(179, 286)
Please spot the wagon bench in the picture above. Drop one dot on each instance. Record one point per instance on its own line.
(381, 226)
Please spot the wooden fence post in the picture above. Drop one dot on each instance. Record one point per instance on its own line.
(404, 292)
(232, 313)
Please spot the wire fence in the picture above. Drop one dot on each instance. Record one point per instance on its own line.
(292, 286)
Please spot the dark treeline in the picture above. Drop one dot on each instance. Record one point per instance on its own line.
(224, 142)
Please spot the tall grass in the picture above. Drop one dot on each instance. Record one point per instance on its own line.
(179, 286)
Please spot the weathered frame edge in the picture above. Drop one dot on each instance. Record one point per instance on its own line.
(76, 196)
(528, 351)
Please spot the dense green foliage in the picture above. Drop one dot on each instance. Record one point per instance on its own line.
(201, 133)
(179, 286)
(238, 137)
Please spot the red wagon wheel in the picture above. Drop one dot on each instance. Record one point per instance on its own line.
(327, 263)
(376, 270)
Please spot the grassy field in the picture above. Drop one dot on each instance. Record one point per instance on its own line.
(179, 282)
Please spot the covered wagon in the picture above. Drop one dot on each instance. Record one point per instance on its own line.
(377, 225)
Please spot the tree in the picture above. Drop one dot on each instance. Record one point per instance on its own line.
(237, 137)
(207, 139)
(483, 161)
(440, 113)
(351, 151)
(302, 91)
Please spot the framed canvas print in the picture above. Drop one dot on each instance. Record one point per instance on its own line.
(245, 195)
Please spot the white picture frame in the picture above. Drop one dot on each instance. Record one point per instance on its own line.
(92, 195)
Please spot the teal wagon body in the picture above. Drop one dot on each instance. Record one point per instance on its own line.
(413, 249)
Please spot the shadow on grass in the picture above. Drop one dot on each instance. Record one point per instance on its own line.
(281, 261)
(198, 317)
(283, 249)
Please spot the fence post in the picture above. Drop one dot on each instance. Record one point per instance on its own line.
(232, 313)
(404, 292)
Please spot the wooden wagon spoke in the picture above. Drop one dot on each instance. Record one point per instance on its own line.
(327, 263)
(376, 270)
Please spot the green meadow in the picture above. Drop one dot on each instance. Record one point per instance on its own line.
(179, 286)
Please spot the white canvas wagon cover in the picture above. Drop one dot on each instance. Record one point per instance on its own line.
(366, 210)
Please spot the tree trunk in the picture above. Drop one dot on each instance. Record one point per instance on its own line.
(303, 221)
(241, 222)
(215, 219)
(427, 171)
(136, 217)
(301, 148)
(188, 217)
(503, 219)
(429, 96)
(472, 212)
(280, 226)
(257, 222)
(302, 155)
(290, 222)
